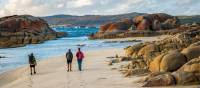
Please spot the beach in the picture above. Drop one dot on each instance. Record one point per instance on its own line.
(52, 72)
(143, 39)
(125, 44)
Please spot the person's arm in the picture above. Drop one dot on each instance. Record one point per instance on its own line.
(66, 54)
(77, 54)
(82, 55)
(29, 59)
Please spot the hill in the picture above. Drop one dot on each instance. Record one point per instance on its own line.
(96, 20)
(189, 19)
(86, 20)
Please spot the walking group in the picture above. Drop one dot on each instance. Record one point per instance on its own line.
(69, 59)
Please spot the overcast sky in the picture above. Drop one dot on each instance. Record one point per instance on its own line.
(100, 7)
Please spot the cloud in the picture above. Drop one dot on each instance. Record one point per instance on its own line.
(60, 5)
(82, 7)
(79, 3)
(24, 7)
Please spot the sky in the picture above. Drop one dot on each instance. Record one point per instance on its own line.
(97, 7)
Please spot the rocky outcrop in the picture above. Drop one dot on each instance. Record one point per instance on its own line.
(121, 26)
(186, 78)
(188, 74)
(133, 51)
(191, 66)
(25, 29)
(191, 52)
(103, 28)
(171, 61)
(149, 50)
(168, 62)
(159, 21)
(160, 80)
(144, 25)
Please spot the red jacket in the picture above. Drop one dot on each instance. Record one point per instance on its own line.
(79, 55)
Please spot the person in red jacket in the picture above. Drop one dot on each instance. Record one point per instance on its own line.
(80, 57)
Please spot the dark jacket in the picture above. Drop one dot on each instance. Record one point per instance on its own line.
(69, 55)
(32, 60)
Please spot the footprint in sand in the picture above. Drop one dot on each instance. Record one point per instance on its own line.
(101, 78)
(82, 81)
(82, 84)
(30, 82)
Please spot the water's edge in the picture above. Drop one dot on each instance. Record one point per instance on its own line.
(17, 57)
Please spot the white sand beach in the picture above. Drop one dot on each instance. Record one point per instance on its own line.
(52, 73)
(144, 39)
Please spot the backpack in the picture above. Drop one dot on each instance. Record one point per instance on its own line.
(69, 56)
(32, 60)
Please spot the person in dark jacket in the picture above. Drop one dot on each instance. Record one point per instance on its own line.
(32, 63)
(80, 57)
(69, 57)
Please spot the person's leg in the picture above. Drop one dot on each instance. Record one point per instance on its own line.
(79, 65)
(31, 70)
(34, 69)
(67, 66)
(70, 66)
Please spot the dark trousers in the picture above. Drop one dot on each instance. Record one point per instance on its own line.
(69, 65)
(32, 67)
(79, 64)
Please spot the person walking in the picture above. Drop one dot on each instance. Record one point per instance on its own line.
(32, 63)
(69, 57)
(80, 57)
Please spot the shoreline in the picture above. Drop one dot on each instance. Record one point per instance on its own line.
(50, 56)
(16, 78)
(56, 66)
(143, 39)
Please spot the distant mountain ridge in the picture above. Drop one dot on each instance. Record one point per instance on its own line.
(87, 20)
(190, 19)
(96, 20)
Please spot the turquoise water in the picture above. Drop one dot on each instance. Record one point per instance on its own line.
(17, 57)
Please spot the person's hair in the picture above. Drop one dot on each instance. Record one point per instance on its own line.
(69, 49)
(79, 48)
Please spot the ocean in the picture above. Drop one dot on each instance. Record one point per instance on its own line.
(16, 57)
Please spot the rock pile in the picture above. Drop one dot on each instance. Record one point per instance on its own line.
(156, 22)
(19, 30)
(144, 25)
(171, 61)
(188, 74)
